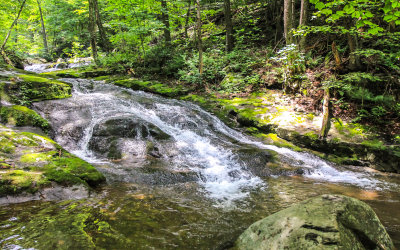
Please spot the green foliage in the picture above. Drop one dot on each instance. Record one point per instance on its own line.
(292, 63)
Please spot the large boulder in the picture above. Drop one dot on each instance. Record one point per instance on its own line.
(324, 222)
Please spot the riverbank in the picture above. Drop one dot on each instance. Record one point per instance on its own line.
(276, 118)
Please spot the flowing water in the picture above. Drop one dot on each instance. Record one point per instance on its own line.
(177, 177)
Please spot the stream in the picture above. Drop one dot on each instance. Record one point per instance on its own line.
(177, 177)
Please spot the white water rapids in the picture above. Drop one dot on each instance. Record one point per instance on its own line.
(205, 145)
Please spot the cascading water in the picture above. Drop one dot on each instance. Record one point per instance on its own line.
(48, 67)
(102, 118)
(177, 177)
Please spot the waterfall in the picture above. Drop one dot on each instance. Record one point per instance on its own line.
(102, 118)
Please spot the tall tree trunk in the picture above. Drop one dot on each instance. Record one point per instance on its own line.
(354, 60)
(199, 38)
(229, 26)
(105, 43)
(92, 31)
(3, 46)
(187, 19)
(287, 21)
(165, 21)
(326, 115)
(44, 34)
(303, 22)
(278, 20)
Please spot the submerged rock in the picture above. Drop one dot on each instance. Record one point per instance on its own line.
(324, 222)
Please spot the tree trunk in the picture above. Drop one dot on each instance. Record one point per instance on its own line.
(92, 32)
(199, 38)
(229, 26)
(278, 20)
(303, 22)
(105, 43)
(44, 34)
(354, 60)
(165, 21)
(187, 19)
(2, 49)
(287, 21)
(326, 115)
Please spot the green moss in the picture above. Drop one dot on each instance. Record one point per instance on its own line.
(17, 181)
(70, 73)
(195, 98)
(351, 129)
(31, 88)
(310, 117)
(23, 116)
(6, 145)
(374, 144)
(25, 151)
(37, 157)
(275, 140)
(312, 135)
(69, 171)
(152, 87)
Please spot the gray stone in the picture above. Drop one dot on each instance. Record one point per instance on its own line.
(324, 222)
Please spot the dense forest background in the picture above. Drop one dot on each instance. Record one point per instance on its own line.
(342, 57)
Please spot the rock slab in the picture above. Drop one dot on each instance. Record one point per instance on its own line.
(324, 222)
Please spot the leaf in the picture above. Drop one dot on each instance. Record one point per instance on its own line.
(320, 5)
(348, 9)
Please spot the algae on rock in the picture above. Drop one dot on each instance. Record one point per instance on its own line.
(31, 162)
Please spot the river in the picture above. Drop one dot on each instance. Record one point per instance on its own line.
(177, 177)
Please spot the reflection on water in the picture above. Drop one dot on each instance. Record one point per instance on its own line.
(132, 216)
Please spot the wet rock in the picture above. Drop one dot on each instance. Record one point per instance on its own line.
(324, 222)
(54, 193)
(129, 128)
(125, 137)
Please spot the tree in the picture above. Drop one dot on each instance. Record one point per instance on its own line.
(288, 20)
(105, 43)
(229, 26)
(2, 49)
(92, 32)
(303, 22)
(44, 34)
(165, 21)
(199, 38)
(187, 18)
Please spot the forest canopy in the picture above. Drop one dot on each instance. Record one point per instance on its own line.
(310, 48)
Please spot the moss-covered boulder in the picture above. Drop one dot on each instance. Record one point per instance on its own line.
(30, 162)
(152, 87)
(324, 222)
(24, 89)
(22, 116)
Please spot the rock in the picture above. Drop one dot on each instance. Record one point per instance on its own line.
(36, 163)
(324, 222)
(129, 128)
(126, 135)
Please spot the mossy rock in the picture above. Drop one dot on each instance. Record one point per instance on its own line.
(324, 222)
(22, 116)
(24, 89)
(34, 162)
(152, 87)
